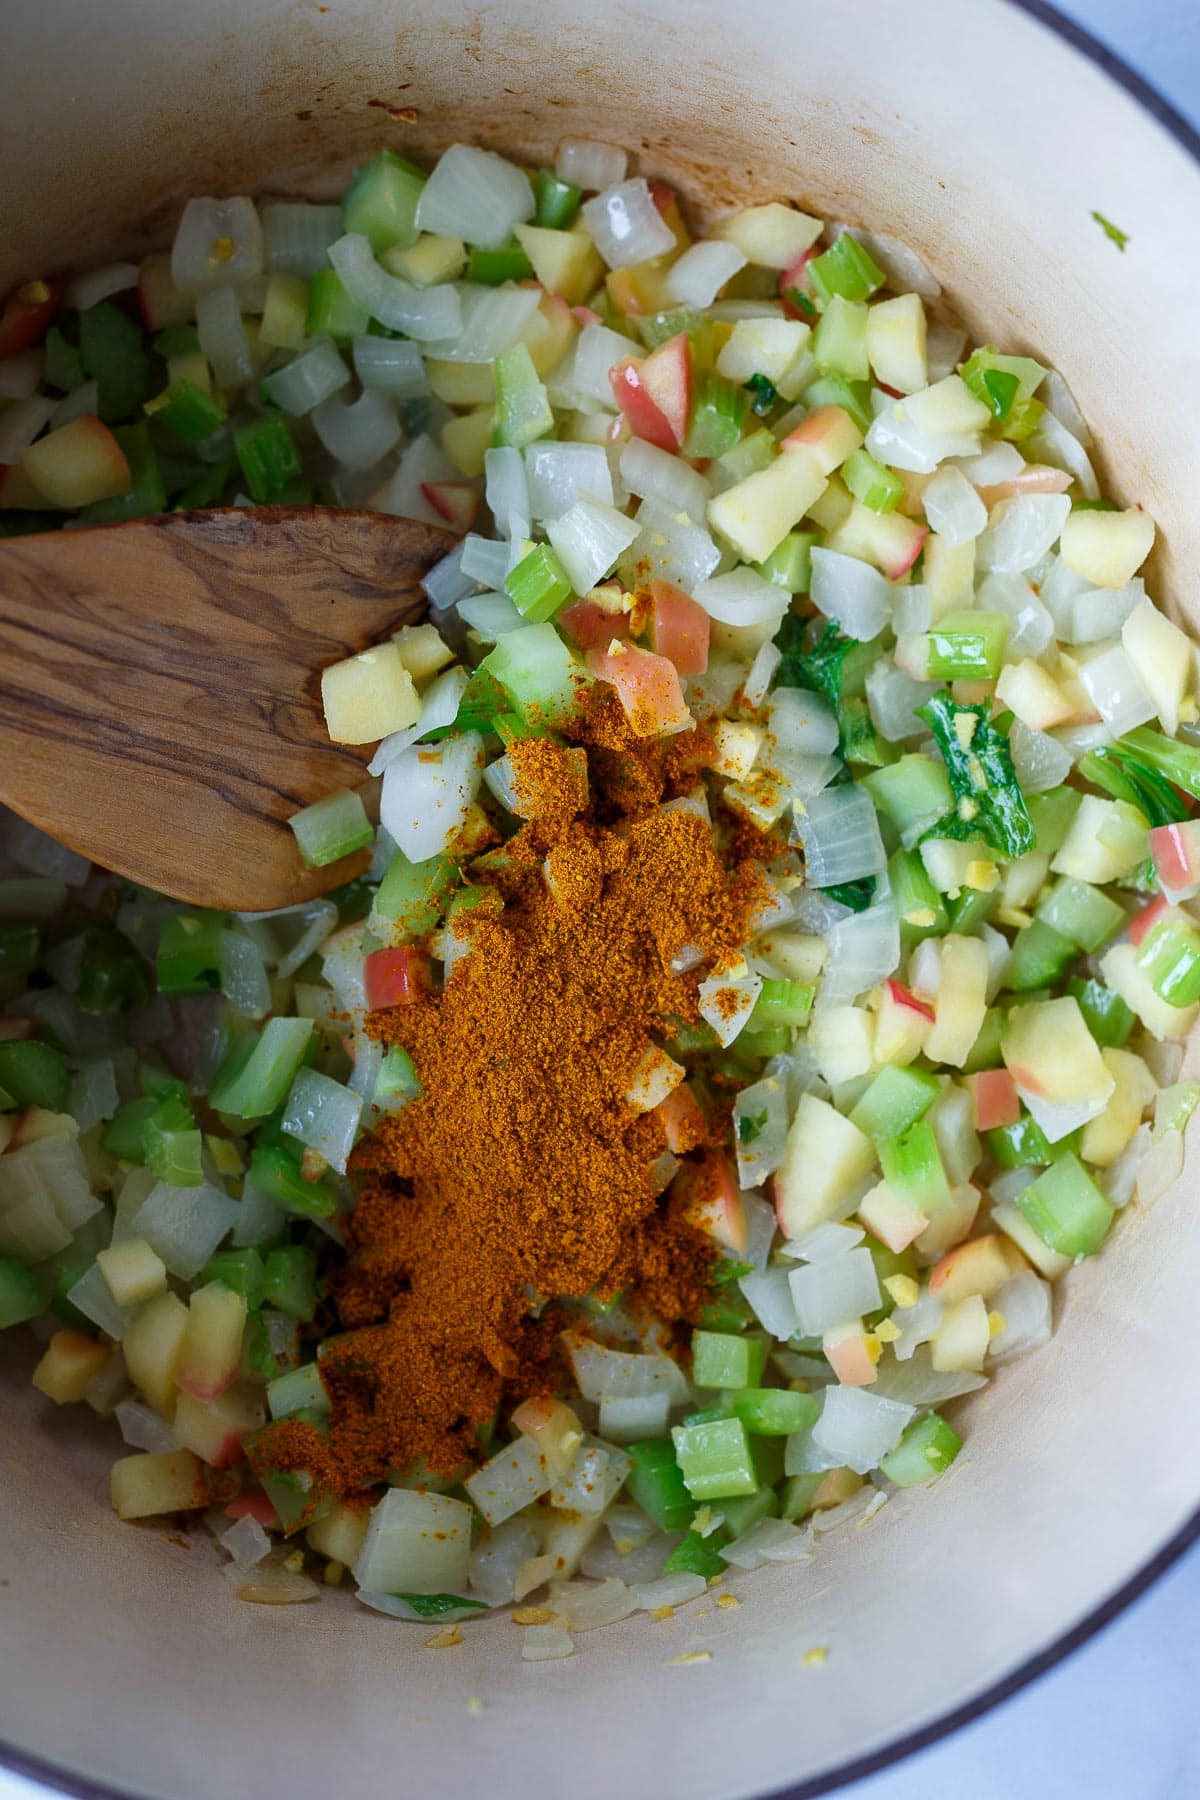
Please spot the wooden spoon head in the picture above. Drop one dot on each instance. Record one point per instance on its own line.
(160, 706)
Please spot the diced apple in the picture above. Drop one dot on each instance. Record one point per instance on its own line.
(829, 434)
(1053, 1057)
(682, 1118)
(736, 745)
(284, 323)
(368, 696)
(152, 1345)
(896, 343)
(994, 1099)
(466, 437)
(842, 1038)
(160, 302)
(826, 1158)
(655, 392)
(1106, 840)
(155, 1483)
(214, 1429)
(134, 1272)
(961, 1343)
(756, 514)
(1031, 692)
(797, 955)
(648, 687)
(423, 650)
(27, 314)
(680, 629)
(70, 1362)
(1012, 1222)
(848, 1354)
(1105, 1136)
(433, 259)
(889, 541)
(565, 262)
(946, 409)
(1121, 971)
(1158, 912)
(78, 463)
(591, 625)
(961, 1000)
(37, 1123)
(1176, 853)
(712, 1201)
(902, 1024)
(252, 1503)
(550, 333)
(1107, 548)
(891, 1217)
(832, 508)
(461, 384)
(773, 235)
(981, 1266)
(455, 502)
(1162, 657)
(17, 491)
(1034, 478)
(341, 1533)
(212, 1342)
(948, 572)
(950, 1224)
(770, 347)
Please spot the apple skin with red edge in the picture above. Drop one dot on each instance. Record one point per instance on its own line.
(711, 1200)
(902, 1024)
(648, 688)
(397, 975)
(655, 393)
(679, 628)
(829, 434)
(1143, 922)
(682, 1116)
(995, 1099)
(28, 314)
(591, 626)
(253, 1503)
(456, 502)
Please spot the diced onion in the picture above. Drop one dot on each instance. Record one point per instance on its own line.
(850, 592)
(952, 507)
(357, 432)
(655, 474)
(1063, 450)
(324, 1115)
(1021, 531)
(445, 583)
(1026, 1305)
(604, 1374)
(560, 475)
(143, 1428)
(673, 546)
(1116, 691)
(22, 422)
(423, 461)
(244, 979)
(767, 659)
(626, 225)
(827, 1294)
(587, 539)
(296, 236)
(426, 794)
(839, 830)
(726, 1002)
(1032, 629)
(770, 1300)
(917, 1383)
(223, 337)
(589, 165)
(497, 1557)
(859, 1428)
(416, 1543)
(895, 439)
(770, 1541)
(219, 243)
(1040, 762)
(21, 374)
(84, 400)
(597, 350)
(426, 313)
(493, 320)
(95, 285)
(1060, 401)
(670, 1590)
(185, 1224)
(491, 616)
(892, 700)
(741, 598)
(310, 378)
(476, 196)
(702, 271)
(863, 951)
(392, 366)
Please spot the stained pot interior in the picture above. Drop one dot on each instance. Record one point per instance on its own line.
(126, 1659)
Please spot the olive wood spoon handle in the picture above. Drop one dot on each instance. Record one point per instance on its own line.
(160, 705)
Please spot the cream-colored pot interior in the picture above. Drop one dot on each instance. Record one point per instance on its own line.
(975, 133)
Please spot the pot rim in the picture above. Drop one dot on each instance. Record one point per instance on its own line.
(57, 1779)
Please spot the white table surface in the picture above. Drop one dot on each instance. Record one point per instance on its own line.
(1117, 1720)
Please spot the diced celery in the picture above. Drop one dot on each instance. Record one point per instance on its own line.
(1170, 956)
(538, 585)
(879, 488)
(718, 414)
(798, 1495)
(290, 1281)
(296, 1391)
(967, 646)
(35, 1074)
(782, 1003)
(269, 457)
(970, 908)
(846, 270)
(910, 792)
(21, 1296)
(522, 406)
(789, 565)
(839, 344)
(397, 1077)
(332, 828)
(1040, 956)
(172, 1144)
(146, 493)
(747, 457)
(412, 896)
(112, 350)
(723, 1361)
(380, 202)
(123, 1135)
(537, 671)
(1109, 1019)
(189, 953)
(557, 201)
(926, 1449)
(491, 268)
(896, 1099)
(277, 1171)
(240, 1270)
(835, 390)
(331, 310)
(744, 1511)
(1025, 1146)
(112, 975)
(1020, 377)
(775, 1412)
(250, 1087)
(1179, 762)
(912, 1164)
(696, 1555)
(63, 367)
(920, 908)
(1083, 914)
(655, 1483)
(1051, 815)
(715, 1460)
(186, 411)
(1066, 1208)
(19, 946)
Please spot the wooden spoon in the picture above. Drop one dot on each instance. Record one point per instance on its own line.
(160, 703)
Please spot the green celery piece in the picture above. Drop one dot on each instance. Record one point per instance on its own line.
(331, 828)
(1001, 382)
(845, 270)
(113, 352)
(747, 457)
(789, 565)
(655, 1483)
(122, 1137)
(7, 1101)
(911, 792)
(879, 488)
(522, 407)
(1171, 957)
(1051, 816)
(296, 1390)
(412, 897)
(1112, 232)
(276, 1169)
(718, 414)
(21, 1296)
(990, 802)
(290, 1493)
(798, 1495)
(441, 1606)
(187, 411)
(745, 1511)
(1066, 1208)
(912, 1164)
(290, 1282)
(1083, 914)
(557, 201)
(538, 672)
(112, 973)
(715, 1459)
(839, 344)
(919, 907)
(253, 1087)
(658, 328)
(63, 368)
(895, 1101)
(967, 646)
(1180, 763)
(787, 1003)
(774, 1412)
(19, 948)
(207, 487)
(172, 1145)
(970, 908)
(723, 1361)
(176, 340)
(381, 202)
(816, 666)
(240, 1270)
(1041, 955)
(146, 493)
(859, 743)
(853, 397)
(1142, 781)
(269, 457)
(696, 1555)
(1024, 1145)
(331, 310)
(1109, 1019)
(538, 585)
(188, 953)
(35, 1074)
(923, 1453)
(492, 268)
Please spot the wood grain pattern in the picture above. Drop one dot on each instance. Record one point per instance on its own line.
(160, 686)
